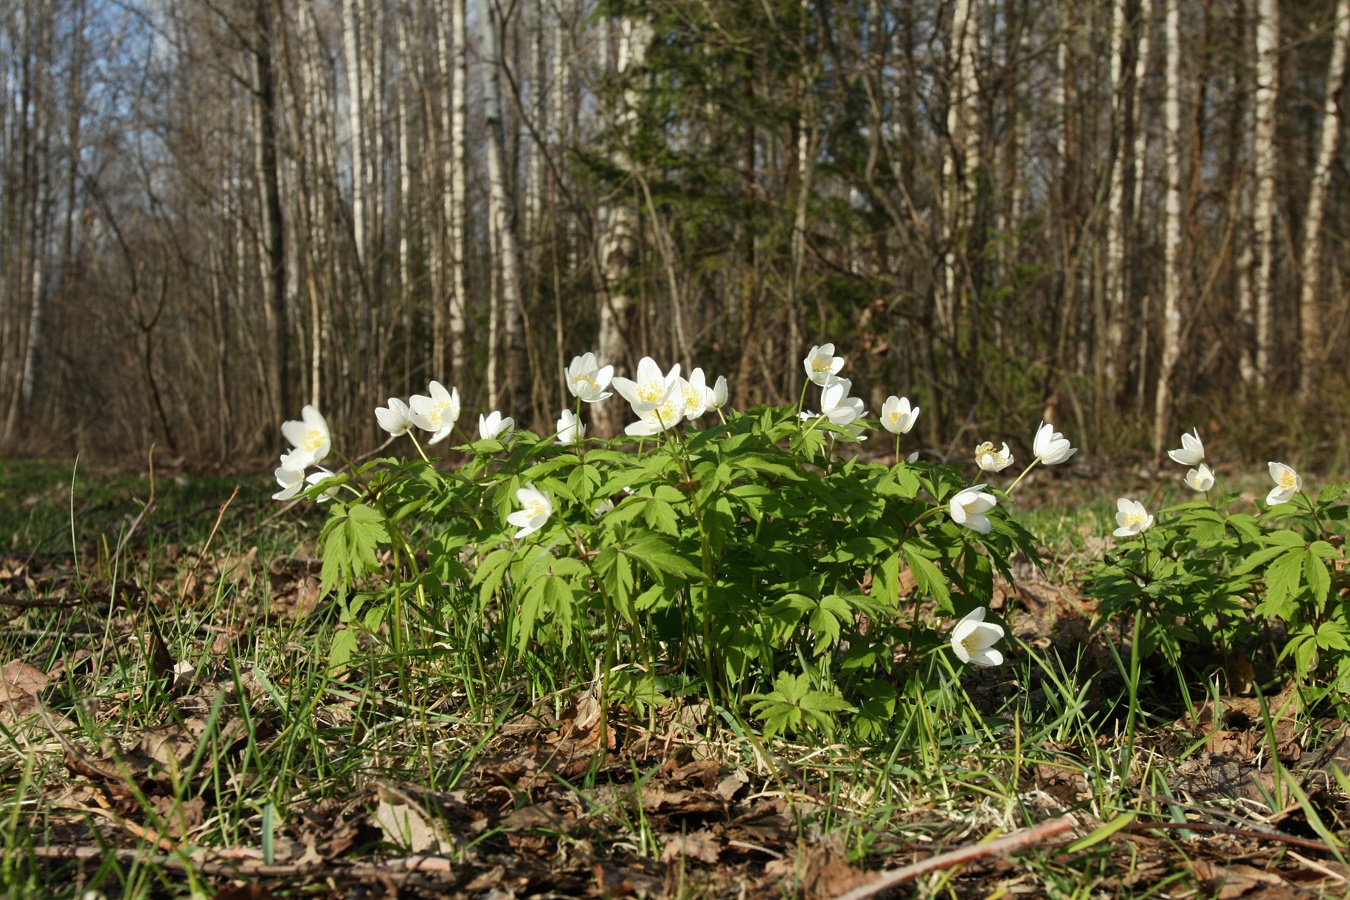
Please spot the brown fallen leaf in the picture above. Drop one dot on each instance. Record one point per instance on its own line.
(1228, 882)
(179, 819)
(407, 826)
(21, 678)
(701, 845)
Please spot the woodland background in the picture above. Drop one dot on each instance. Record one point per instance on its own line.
(1126, 216)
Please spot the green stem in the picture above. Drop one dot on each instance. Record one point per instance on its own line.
(1019, 478)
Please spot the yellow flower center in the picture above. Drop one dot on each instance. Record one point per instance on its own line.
(536, 507)
(437, 413)
(1288, 480)
(585, 379)
(692, 397)
(313, 440)
(970, 643)
(821, 364)
(668, 413)
(894, 418)
(1134, 519)
(651, 391)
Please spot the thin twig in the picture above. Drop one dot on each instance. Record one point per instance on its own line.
(424, 865)
(145, 510)
(1003, 846)
(1260, 834)
(192, 576)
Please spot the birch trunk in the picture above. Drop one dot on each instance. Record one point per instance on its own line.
(272, 253)
(506, 250)
(960, 164)
(1263, 214)
(457, 299)
(1171, 325)
(618, 239)
(1143, 55)
(1310, 316)
(1116, 223)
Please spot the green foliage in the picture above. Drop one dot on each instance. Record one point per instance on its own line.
(743, 562)
(1223, 582)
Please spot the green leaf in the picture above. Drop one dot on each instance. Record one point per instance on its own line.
(929, 578)
(661, 559)
(491, 572)
(341, 650)
(1283, 579)
(1316, 576)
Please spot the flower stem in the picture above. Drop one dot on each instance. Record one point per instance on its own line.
(1019, 478)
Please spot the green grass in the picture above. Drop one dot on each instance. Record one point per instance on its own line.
(259, 750)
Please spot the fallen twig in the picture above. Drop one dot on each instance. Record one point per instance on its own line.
(192, 575)
(1003, 846)
(1260, 834)
(223, 866)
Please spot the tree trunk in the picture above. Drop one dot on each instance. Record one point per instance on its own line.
(618, 220)
(273, 235)
(1171, 330)
(1310, 316)
(1263, 215)
(500, 211)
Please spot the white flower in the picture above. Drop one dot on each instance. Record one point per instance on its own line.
(1132, 518)
(696, 394)
(913, 457)
(991, 460)
(973, 640)
(436, 413)
(292, 481)
(1200, 478)
(667, 414)
(1051, 447)
(570, 428)
(837, 406)
(822, 366)
(604, 507)
(586, 380)
(1287, 483)
(396, 418)
(536, 508)
(969, 506)
(1192, 449)
(896, 415)
(494, 425)
(651, 389)
(315, 477)
(309, 437)
(717, 396)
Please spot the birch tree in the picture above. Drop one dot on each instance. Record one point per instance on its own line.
(618, 214)
(502, 219)
(1263, 213)
(1172, 278)
(1310, 316)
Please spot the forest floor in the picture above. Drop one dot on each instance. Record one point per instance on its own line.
(169, 726)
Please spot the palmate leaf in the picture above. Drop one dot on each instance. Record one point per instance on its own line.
(355, 532)
(794, 706)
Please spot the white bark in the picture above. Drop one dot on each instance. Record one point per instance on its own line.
(1263, 158)
(1310, 316)
(1115, 215)
(1141, 62)
(505, 250)
(1171, 325)
(961, 163)
(618, 239)
(351, 53)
